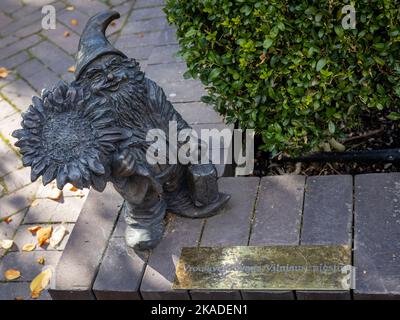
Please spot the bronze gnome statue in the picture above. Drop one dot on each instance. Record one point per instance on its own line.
(93, 131)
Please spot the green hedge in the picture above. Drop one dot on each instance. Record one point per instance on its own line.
(289, 69)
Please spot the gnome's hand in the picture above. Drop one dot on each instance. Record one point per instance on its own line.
(124, 165)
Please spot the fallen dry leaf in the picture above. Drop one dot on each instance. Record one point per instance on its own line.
(73, 189)
(55, 193)
(12, 274)
(6, 244)
(43, 235)
(66, 34)
(113, 24)
(41, 260)
(7, 219)
(3, 72)
(70, 8)
(74, 22)
(57, 236)
(34, 229)
(40, 283)
(71, 69)
(29, 247)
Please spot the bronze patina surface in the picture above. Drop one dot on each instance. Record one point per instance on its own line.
(264, 267)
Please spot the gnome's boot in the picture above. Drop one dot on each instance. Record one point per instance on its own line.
(145, 224)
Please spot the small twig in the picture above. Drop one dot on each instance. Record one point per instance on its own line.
(365, 135)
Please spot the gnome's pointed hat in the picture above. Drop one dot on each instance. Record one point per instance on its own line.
(93, 42)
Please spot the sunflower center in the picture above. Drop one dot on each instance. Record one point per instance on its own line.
(66, 136)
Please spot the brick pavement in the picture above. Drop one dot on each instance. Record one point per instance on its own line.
(37, 58)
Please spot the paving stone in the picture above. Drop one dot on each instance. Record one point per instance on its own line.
(120, 272)
(124, 8)
(68, 44)
(327, 220)
(17, 179)
(10, 161)
(160, 270)
(164, 54)
(23, 236)
(88, 241)
(18, 24)
(231, 226)
(6, 109)
(48, 190)
(15, 60)
(19, 45)
(26, 263)
(17, 200)
(277, 220)
(19, 93)
(198, 113)
(138, 53)
(29, 30)
(4, 20)
(10, 6)
(46, 210)
(148, 3)
(89, 7)
(153, 24)
(8, 125)
(45, 78)
(377, 234)
(66, 17)
(58, 60)
(167, 37)
(12, 290)
(147, 13)
(30, 68)
(8, 40)
(8, 230)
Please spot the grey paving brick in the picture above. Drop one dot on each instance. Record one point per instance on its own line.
(6, 109)
(58, 60)
(327, 220)
(160, 269)
(4, 20)
(17, 179)
(45, 78)
(138, 39)
(153, 24)
(277, 220)
(124, 8)
(138, 53)
(66, 17)
(148, 3)
(198, 113)
(68, 44)
(26, 263)
(30, 68)
(377, 234)
(8, 40)
(120, 272)
(231, 226)
(8, 125)
(15, 60)
(24, 236)
(18, 24)
(19, 45)
(46, 210)
(10, 6)
(167, 37)
(87, 243)
(147, 13)
(19, 93)
(17, 200)
(89, 7)
(29, 30)
(8, 230)
(13, 290)
(164, 54)
(10, 161)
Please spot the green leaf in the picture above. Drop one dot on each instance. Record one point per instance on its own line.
(320, 64)
(331, 127)
(394, 116)
(214, 74)
(267, 43)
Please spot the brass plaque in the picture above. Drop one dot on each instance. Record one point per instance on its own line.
(264, 267)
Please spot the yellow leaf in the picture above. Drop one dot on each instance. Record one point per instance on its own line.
(57, 236)
(34, 229)
(70, 8)
(7, 219)
(71, 69)
(3, 72)
(40, 283)
(74, 22)
(73, 189)
(12, 274)
(6, 244)
(29, 247)
(43, 235)
(41, 260)
(66, 34)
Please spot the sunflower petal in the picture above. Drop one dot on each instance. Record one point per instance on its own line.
(95, 165)
(50, 174)
(62, 177)
(98, 182)
(37, 170)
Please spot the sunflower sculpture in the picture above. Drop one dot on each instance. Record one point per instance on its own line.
(66, 138)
